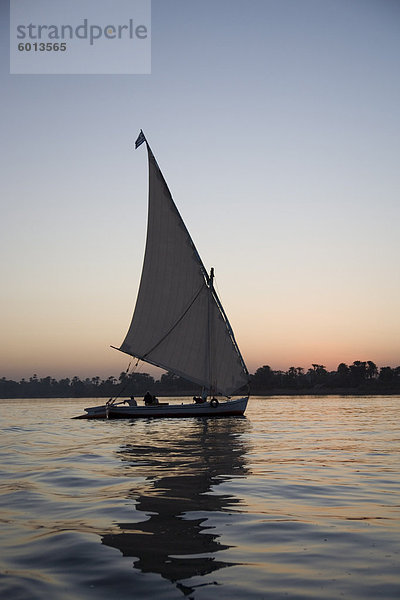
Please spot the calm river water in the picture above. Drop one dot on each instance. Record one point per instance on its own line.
(299, 499)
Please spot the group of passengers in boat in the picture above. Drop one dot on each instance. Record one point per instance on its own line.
(148, 399)
(151, 400)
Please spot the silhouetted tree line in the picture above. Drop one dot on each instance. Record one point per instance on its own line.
(361, 376)
(134, 384)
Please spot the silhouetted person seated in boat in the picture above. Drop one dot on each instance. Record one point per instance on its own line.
(149, 399)
(131, 401)
(199, 400)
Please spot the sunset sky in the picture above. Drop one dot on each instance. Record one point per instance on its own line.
(277, 126)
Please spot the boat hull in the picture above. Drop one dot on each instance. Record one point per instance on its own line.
(229, 408)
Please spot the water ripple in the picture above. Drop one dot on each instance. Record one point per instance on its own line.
(298, 500)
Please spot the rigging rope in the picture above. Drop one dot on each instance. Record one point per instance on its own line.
(125, 382)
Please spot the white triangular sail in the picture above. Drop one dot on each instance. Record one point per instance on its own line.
(178, 323)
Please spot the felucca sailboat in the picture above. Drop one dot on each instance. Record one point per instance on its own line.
(179, 323)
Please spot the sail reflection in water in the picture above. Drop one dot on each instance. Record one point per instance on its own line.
(177, 488)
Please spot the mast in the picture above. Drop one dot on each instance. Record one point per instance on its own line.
(210, 333)
(227, 323)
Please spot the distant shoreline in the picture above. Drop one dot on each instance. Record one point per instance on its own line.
(360, 378)
(253, 394)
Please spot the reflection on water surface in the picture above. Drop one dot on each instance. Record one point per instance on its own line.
(181, 475)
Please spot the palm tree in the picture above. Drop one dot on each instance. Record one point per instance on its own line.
(372, 370)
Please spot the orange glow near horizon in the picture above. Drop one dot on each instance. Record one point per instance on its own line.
(67, 354)
(281, 154)
(73, 327)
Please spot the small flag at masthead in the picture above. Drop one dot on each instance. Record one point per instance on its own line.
(140, 139)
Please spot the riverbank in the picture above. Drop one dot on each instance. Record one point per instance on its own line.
(287, 392)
